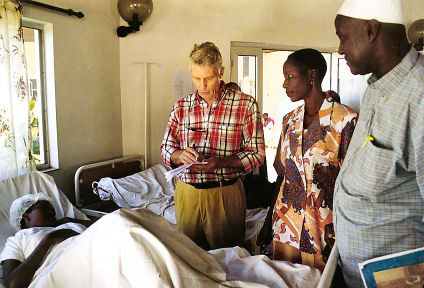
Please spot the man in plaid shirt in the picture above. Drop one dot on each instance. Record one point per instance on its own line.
(221, 128)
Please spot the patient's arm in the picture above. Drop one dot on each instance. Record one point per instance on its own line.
(64, 220)
(20, 274)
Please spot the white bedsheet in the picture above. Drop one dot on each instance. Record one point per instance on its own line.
(137, 248)
(146, 189)
(31, 183)
(149, 189)
(239, 264)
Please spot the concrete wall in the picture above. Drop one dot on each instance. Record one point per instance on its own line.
(100, 80)
(87, 88)
(167, 37)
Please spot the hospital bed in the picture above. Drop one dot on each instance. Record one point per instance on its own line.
(236, 263)
(136, 187)
(124, 183)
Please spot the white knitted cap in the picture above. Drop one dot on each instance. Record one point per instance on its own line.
(386, 11)
(21, 205)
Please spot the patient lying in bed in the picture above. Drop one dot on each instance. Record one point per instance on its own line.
(132, 248)
(24, 252)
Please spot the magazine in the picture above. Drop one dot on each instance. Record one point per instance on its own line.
(403, 269)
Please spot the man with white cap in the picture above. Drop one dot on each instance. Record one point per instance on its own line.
(24, 253)
(379, 193)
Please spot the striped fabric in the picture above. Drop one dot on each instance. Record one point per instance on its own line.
(379, 192)
(230, 126)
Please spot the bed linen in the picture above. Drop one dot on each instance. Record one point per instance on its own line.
(149, 189)
(146, 189)
(239, 264)
(31, 183)
(136, 248)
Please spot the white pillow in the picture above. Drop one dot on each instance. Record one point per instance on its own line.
(31, 183)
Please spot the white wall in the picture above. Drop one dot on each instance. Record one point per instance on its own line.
(86, 64)
(167, 37)
(100, 80)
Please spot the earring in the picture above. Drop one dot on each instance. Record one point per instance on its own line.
(312, 83)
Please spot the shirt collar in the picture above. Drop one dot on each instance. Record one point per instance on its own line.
(218, 96)
(391, 80)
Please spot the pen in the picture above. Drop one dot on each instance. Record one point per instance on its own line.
(370, 138)
(200, 158)
(194, 147)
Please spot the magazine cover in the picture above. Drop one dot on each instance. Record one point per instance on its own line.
(400, 270)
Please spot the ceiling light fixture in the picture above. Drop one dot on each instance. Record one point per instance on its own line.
(416, 34)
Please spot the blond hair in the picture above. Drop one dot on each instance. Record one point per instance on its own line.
(206, 54)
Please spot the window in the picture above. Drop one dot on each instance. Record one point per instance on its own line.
(247, 74)
(35, 68)
(247, 69)
(42, 103)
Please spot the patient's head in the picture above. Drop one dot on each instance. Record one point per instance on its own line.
(41, 214)
(32, 210)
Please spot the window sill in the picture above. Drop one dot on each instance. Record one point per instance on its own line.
(45, 170)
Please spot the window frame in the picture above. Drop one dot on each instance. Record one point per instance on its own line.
(46, 93)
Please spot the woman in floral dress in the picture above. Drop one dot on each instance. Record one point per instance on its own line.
(313, 143)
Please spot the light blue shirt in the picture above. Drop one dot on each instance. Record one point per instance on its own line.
(379, 193)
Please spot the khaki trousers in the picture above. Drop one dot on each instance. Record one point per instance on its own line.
(213, 218)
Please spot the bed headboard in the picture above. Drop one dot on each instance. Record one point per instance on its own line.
(87, 174)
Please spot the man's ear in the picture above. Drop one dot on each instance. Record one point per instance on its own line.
(221, 72)
(373, 29)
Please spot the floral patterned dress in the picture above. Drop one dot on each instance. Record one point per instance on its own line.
(310, 159)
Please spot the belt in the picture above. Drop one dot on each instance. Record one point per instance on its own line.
(209, 185)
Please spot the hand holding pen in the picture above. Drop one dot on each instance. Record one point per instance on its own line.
(185, 156)
(200, 157)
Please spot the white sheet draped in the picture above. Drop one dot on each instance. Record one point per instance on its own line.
(15, 135)
(137, 248)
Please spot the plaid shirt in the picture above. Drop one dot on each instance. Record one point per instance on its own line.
(379, 194)
(229, 126)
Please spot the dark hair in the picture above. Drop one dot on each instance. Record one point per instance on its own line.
(310, 59)
(233, 86)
